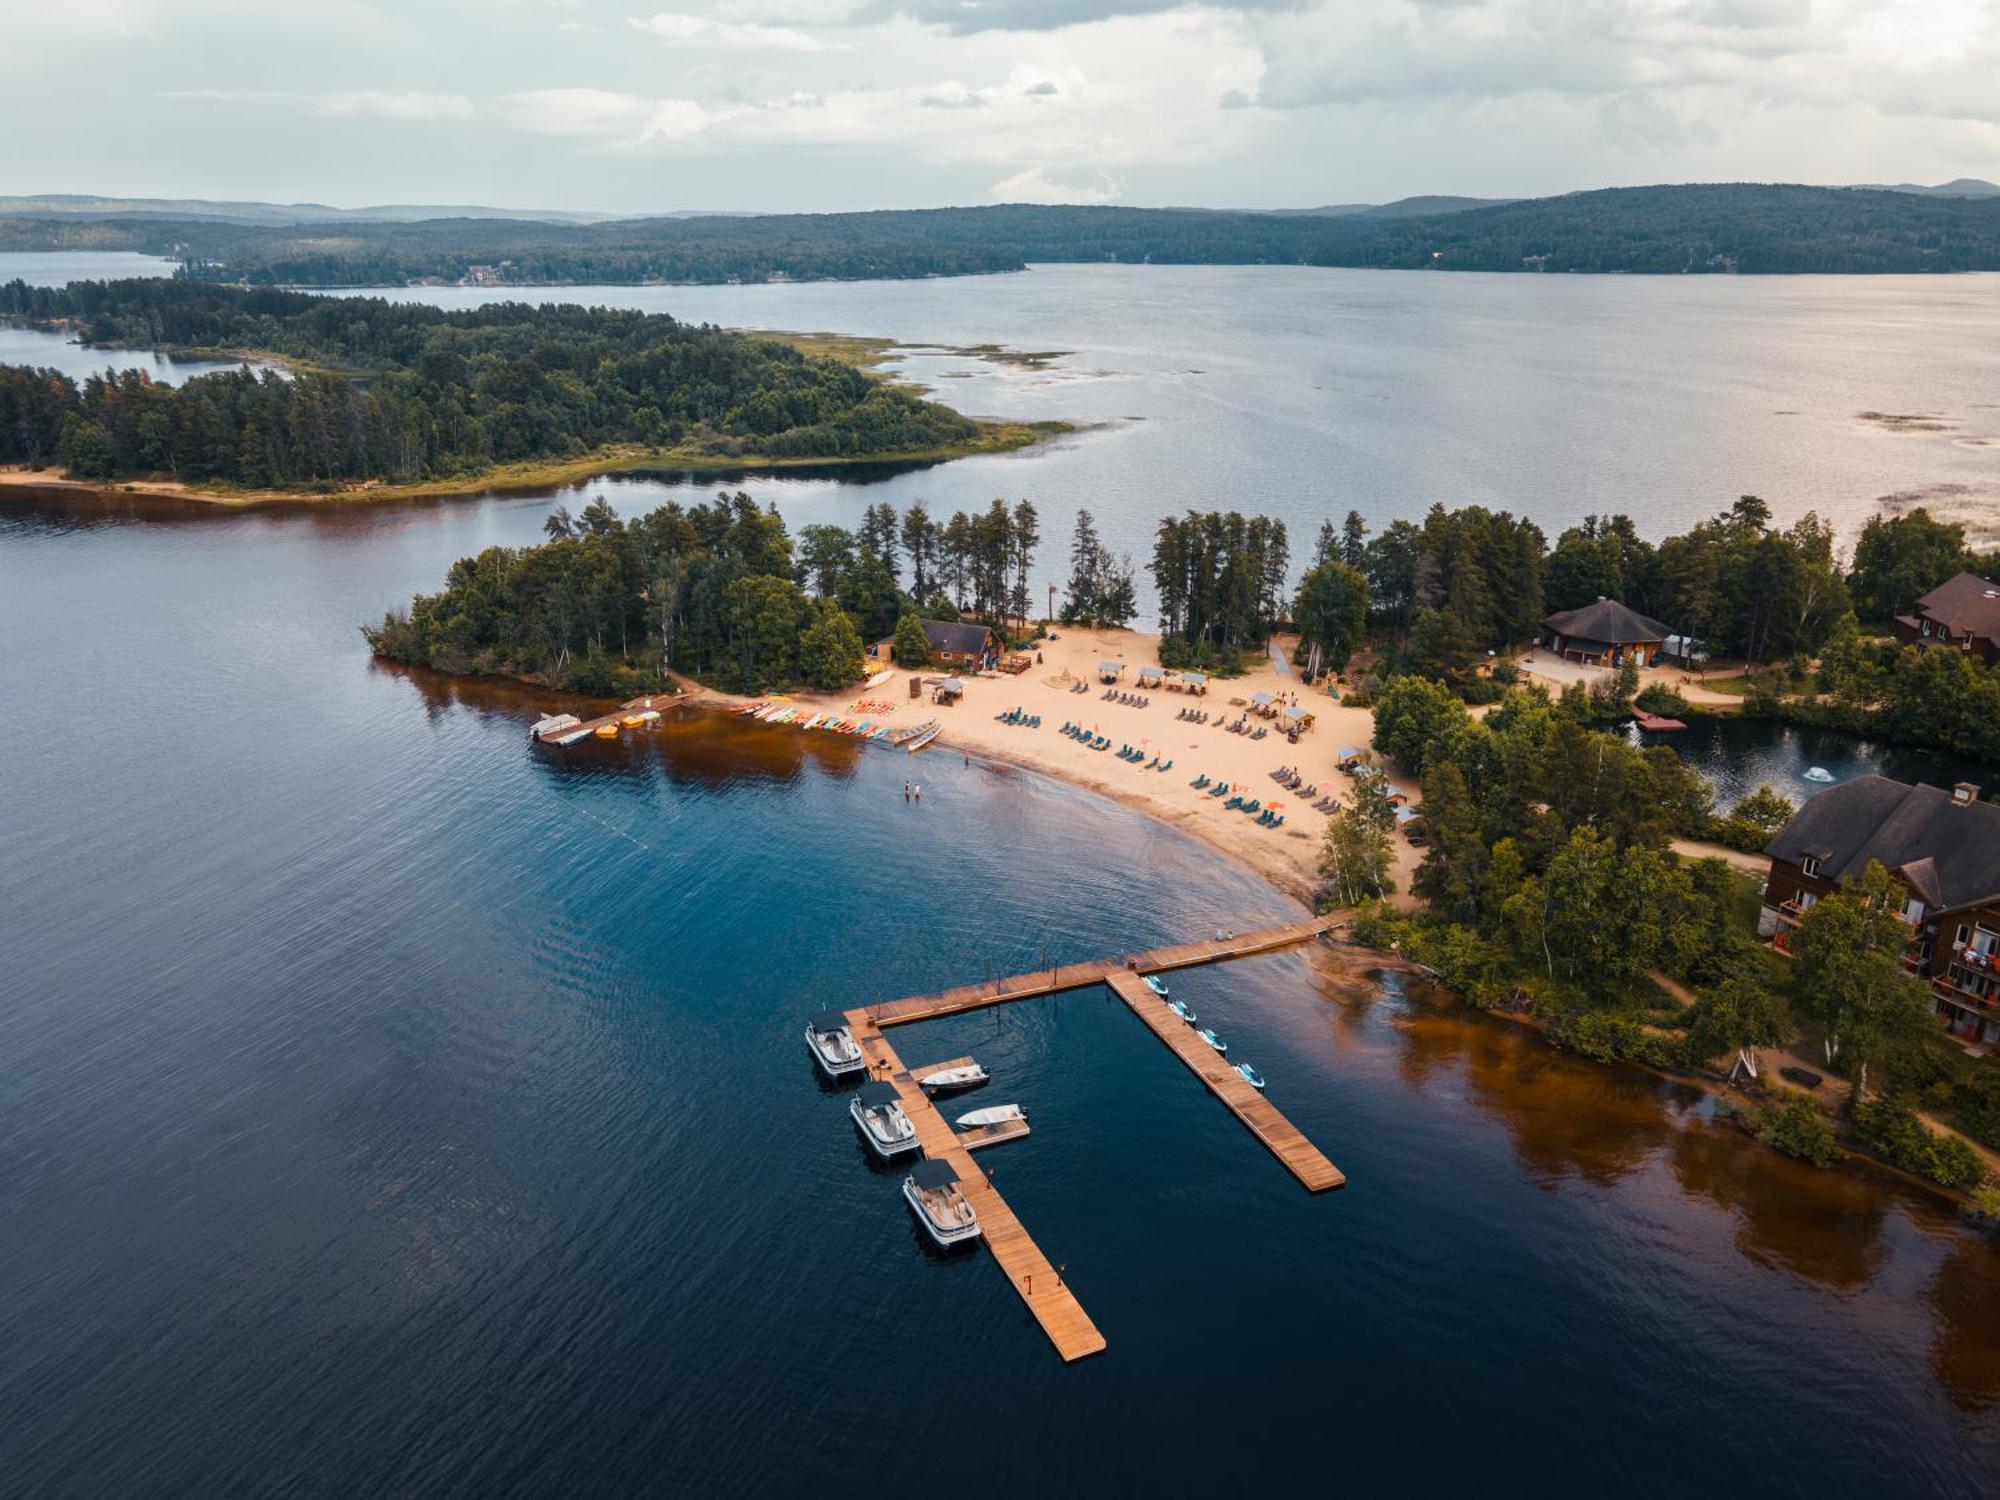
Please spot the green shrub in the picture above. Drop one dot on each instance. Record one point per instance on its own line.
(1894, 1130)
(1984, 1205)
(1795, 1125)
(1606, 1036)
(1657, 698)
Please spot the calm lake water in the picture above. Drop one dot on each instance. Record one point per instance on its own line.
(387, 1106)
(23, 346)
(1736, 756)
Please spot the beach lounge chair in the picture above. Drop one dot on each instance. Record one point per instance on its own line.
(1200, 781)
(1167, 766)
(1233, 803)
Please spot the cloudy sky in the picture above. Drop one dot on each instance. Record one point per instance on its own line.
(825, 104)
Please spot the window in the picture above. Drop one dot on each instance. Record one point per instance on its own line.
(1806, 900)
(1913, 911)
(1809, 866)
(1964, 932)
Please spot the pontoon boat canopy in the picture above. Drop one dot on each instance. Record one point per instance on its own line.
(876, 1093)
(829, 1021)
(934, 1174)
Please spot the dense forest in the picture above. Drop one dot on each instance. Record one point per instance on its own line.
(405, 392)
(1552, 887)
(1718, 227)
(718, 591)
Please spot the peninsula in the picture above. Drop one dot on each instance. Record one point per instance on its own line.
(360, 396)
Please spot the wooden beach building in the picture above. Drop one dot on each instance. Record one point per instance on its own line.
(1604, 634)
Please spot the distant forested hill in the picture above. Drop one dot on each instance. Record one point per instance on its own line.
(1721, 227)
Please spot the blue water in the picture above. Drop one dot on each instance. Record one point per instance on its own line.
(390, 1107)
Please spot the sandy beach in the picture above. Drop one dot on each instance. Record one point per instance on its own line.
(1287, 856)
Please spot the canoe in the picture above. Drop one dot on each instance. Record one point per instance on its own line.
(994, 1115)
(1213, 1040)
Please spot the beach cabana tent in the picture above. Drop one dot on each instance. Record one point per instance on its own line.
(950, 690)
(1110, 670)
(1260, 699)
(1197, 682)
(1296, 714)
(1149, 674)
(1405, 813)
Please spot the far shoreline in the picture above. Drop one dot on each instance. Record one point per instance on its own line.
(996, 438)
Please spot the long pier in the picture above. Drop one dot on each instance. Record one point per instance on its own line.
(1034, 1278)
(1079, 976)
(1285, 1140)
(1029, 1272)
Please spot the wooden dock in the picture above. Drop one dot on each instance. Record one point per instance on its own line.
(1285, 1140)
(1034, 1279)
(1078, 976)
(583, 729)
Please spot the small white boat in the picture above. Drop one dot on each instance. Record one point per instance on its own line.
(833, 1046)
(933, 1194)
(1213, 1040)
(1182, 1009)
(1251, 1076)
(994, 1115)
(1157, 985)
(1818, 773)
(878, 1109)
(970, 1075)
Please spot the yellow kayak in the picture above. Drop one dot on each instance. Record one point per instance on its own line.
(607, 731)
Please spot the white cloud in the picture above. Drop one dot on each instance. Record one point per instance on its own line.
(1035, 185)
(409, 105)
(734, 36)
(577, 112)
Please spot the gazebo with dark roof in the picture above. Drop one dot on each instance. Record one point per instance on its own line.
(1604, 634)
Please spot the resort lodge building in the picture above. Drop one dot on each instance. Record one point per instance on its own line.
(962, 643)
(1604, 634)
(1942, 848)
(1963, 612)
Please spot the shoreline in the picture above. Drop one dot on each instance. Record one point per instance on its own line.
(1286, 865)
(997, 437)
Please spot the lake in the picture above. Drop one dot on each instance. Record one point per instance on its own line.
(389, 1106)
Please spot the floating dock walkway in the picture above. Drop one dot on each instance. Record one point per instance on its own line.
(1039, 1283)
(1034, 1279)
(1284, 1139)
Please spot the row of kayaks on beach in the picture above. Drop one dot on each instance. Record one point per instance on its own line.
(1186, 1012)
(776, 711)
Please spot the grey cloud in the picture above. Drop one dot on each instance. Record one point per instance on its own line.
(968, 16)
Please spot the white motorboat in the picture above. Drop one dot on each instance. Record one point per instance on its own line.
(1251, 1076)
(967, 1076)
(933, 1194)
(1818, 773)
(878, 1109)
(993, 1115)
(1213, 1040)
(1182, 1009)
(833, 1046)
(1157, 985)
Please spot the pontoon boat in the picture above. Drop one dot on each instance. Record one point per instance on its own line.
(932, 1191)
(878, 1109)
(832, 1045)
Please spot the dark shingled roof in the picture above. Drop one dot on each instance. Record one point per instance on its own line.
(1948, 851)
(960, 636)
(1969, 604)
(1608, 621)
